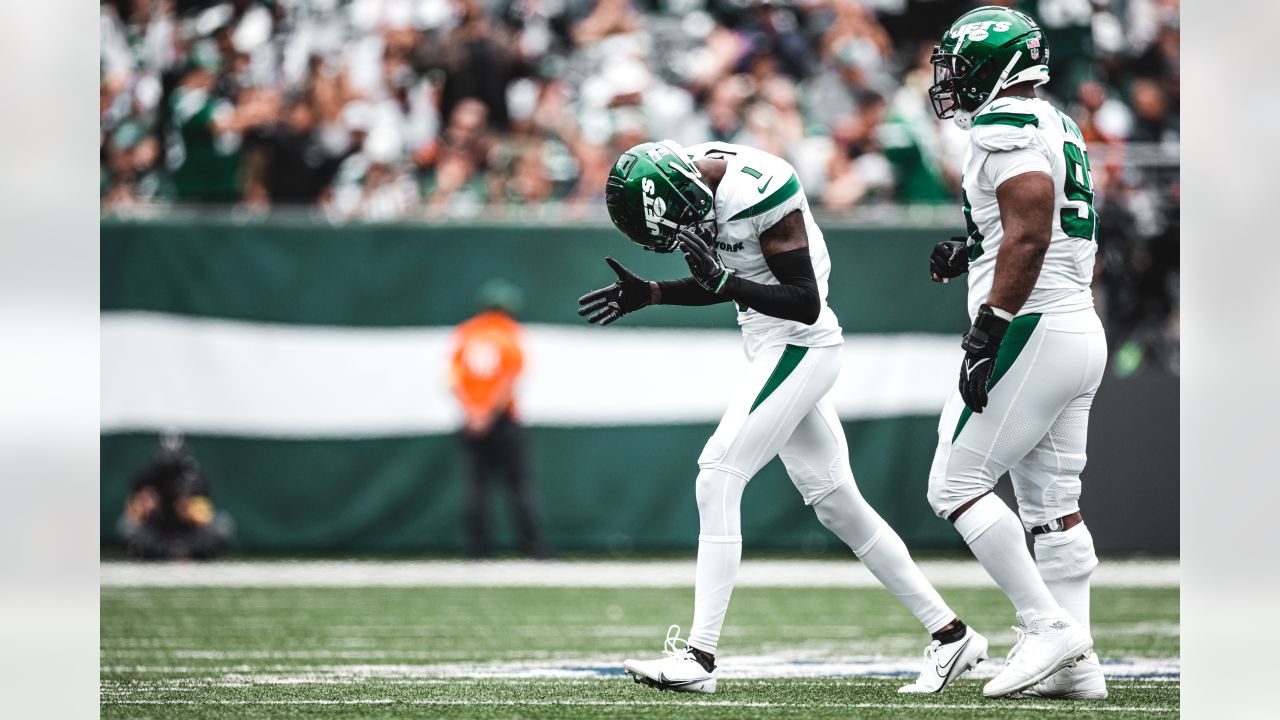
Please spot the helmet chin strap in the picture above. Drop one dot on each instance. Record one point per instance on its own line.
(964, 118)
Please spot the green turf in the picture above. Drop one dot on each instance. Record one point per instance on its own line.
(373, 652)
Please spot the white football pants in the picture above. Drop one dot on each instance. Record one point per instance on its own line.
(1035, 424)
(781, 408)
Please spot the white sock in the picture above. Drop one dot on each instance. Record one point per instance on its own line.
(719, 496)
(997, 539)
(1073, 596)
(855, 522)
(1066, 561)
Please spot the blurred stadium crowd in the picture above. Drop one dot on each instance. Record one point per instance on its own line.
(418, 109)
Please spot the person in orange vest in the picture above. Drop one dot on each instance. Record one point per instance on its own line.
(488, 358)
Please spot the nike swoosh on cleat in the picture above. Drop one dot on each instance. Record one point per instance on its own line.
(950, 664)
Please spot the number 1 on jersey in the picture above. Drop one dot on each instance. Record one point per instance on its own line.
(757, 175)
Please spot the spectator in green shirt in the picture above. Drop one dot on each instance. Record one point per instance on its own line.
(209, 132)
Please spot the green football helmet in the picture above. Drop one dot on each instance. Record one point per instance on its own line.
(654, 191)
(983, 52)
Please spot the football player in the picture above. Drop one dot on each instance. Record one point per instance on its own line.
(1035, 353)
(741, 220)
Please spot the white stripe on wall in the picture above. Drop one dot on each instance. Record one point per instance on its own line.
(253, 379)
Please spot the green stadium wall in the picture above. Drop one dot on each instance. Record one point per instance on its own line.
(605, 485)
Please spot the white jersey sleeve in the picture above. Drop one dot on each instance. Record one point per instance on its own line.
(1001, 166)
(1011, 151)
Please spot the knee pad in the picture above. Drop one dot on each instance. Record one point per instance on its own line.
(938, 498)
(1062, 497)
(815, 485)
(713, 452)
(946, 494)
(957, 478)
(719, 496)
(1048, 483)
(1066, 555)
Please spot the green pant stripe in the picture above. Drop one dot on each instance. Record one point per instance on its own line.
(791, 357)
(1015, 339)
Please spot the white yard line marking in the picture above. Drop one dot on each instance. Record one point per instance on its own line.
(602, 574)
(1033, 707)
(746, 667)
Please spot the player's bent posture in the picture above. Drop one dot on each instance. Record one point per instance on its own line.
(743, 224)
(1035, 353)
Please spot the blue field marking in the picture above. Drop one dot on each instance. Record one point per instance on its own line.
(763, 667)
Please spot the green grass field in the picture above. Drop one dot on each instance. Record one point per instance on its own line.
(506, 652)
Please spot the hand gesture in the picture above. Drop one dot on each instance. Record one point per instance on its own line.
(606, 305)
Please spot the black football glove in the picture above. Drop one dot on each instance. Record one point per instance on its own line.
(980, 344)
(628, 294)
(950, 259)
(704, 262)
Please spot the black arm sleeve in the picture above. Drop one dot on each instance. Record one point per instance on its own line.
(687, 291)
(795, 299)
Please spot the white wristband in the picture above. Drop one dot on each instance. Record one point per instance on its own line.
(1006, 316)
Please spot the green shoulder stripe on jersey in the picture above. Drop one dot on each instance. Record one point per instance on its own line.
(779, 196)
(1007, 118)
(1015, 339)
(791, 357)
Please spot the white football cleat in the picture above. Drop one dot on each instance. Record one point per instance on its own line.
(679, 671)
(946, 662)
(1046, 644)
(1082, 681)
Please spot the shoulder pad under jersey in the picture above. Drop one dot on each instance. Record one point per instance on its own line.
(1004, 125)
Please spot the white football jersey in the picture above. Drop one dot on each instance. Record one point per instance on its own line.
(758, 190)
(1010, 137)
